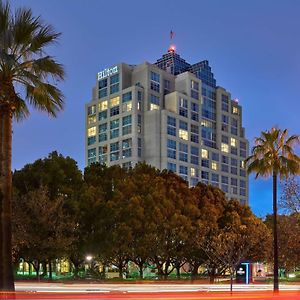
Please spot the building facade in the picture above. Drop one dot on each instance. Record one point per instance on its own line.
(171, 115)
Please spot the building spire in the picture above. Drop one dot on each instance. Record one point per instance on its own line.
(172, 47)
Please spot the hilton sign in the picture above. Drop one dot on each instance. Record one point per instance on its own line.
(107, 72)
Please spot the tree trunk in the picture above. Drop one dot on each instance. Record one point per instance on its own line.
(231, 280)
(178, 272)
(50, 270)
(275, 235)
(194, 272)
(6, 268)
(212, 276)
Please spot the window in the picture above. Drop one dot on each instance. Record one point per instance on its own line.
(234, 162)
(224, 168)
(194, 111)
(225, 139)
(103, 154)
(225, 119)
(225, 101)
(183, 134)
(139, 124)
(167, 86)
(194, 172)
(225, 179)
(194, 155)
(243, 145)
(242, 164)
(194, 85)
(127, 106)
(242, 173)
(91, 131)
(91, 156)
(234, 170)
(224, 188)
(126, 97)
(92, 119)
(233, 151)
(114, 79)
(183, 152)
(114, 101)
(235, 110)
(171, 149)
(91, 110)
(183, 170)
(114, 128)
(205, 175)
(126, 153)
(242, 183)
(114, 111)
(102, 83)
(154, 102)
(225, 159)
(171, 126)
(233, 142)
(195, 133)
(139, 98)
(234, 181)
(204, 153)
(103, 105)
(224, 148)
(102, 93)
(215, 156)
(114, 151)
(102, 115)
(114, 88)
(215, 177)
(183, 107)
(205, 163)
(214, 165)
(242, 192)
(139, 147)
(126, 125)
(155, 82)
(194, 94)
(171, 167)
(102, 132)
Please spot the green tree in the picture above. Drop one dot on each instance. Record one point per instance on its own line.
(288, 240)
(274, 155)
(26, 76)
(43, 229)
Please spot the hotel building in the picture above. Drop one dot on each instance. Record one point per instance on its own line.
(171, 115)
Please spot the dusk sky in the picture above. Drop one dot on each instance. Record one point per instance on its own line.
(252, 46)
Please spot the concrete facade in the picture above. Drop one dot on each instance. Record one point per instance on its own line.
(175, 120)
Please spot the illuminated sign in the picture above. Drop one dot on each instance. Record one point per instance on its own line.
(108, 72)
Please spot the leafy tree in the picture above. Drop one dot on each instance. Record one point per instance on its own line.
(274, 155)
(290, 198)
(288, 240)
(43, 229)
(23, 62)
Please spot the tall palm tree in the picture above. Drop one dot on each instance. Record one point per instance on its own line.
(274, 155)
(28, 77)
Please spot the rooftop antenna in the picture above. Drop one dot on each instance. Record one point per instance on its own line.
(172, 47)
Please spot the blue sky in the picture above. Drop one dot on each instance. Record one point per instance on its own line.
(253, 48)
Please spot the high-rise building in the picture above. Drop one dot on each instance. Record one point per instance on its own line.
(171, 115)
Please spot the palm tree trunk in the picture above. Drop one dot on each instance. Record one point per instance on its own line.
(6, 270)
(275, 235)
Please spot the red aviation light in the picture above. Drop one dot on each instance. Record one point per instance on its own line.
(172, 48)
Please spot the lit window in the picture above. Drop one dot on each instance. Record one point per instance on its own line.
(235, 110)
(183, 134)
(242, 164)
(154, 106)
(204, 153)
(92, 119)
(214, 165)
(92, 131)
(224, 148)
(127, 106)
(114, 101)
(194, 172)
(103, 105)
(233, 142)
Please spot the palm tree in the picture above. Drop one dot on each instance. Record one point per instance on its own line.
(274, 155)
(28, 76)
